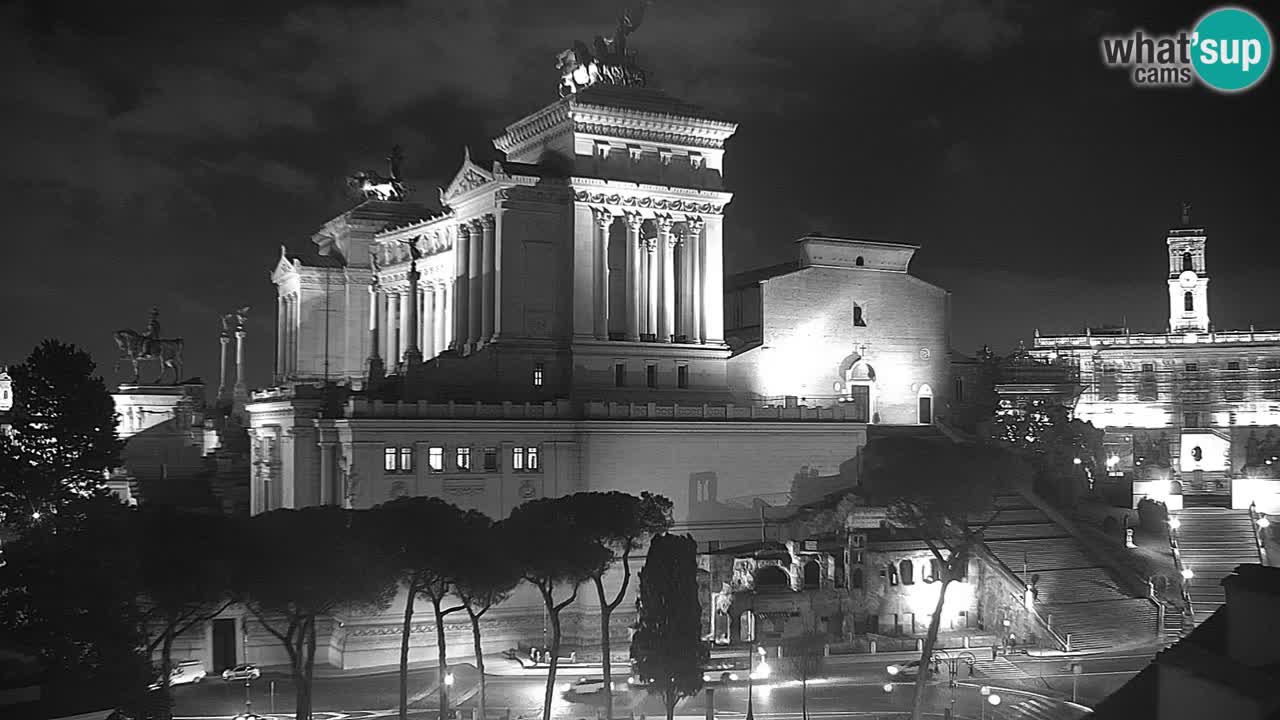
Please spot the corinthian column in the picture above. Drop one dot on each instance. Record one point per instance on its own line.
(393, 329)
(651, 293)
(241, 393)
(475, 283)
(461, 286)
(667, 268)
(412, 322)
(488, 275)
(603, 219)
(429, 298)
(633, 276)
(697, 332)
(224, 340)
(280, 336)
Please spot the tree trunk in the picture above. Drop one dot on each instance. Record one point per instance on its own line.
(554, 617)
(670, 701)
(606, 662)
(166, 668)
(475, 638)
(804, 694)
(298, 670)
(442, 653)
(926, 653)
(311, 662)
(404, 650)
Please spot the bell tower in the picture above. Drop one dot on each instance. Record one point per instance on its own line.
(1188, 277)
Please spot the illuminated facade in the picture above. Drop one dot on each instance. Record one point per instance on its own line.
(558, 325)
(1194, 409)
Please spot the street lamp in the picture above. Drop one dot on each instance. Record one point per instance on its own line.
(751, 675)
(1187, 574)
(1263, 522)
(1174, 523)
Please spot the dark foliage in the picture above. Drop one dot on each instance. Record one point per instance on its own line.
(667, 648)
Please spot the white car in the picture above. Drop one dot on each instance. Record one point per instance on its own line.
(245, 671)
(183, 673)
(587, 686)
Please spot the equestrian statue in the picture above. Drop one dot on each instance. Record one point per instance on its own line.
(135, 346)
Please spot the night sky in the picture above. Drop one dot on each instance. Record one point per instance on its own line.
(159, 153)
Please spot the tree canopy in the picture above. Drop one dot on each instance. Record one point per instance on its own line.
(63, 439)
(667, 648)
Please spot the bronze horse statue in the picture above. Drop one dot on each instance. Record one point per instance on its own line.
(135, 346)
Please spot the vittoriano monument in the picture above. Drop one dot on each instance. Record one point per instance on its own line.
(135, 346)
(607, 62)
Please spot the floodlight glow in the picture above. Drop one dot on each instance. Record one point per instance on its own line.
(1187, 574)
(888, 687)
(1174, 523)
(1077, 461)
(993, 699)
(893, 669)
(448, 679)
(1263, 522)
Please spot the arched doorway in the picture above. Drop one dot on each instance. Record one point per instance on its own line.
(924, 405)
(812, 575)
(859, 385)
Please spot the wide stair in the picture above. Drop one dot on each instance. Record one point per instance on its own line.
(1074, 593)
(1212, 542)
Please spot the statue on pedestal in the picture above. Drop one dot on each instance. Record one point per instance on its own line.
(373, 186)
(608, 61)
(135, 346)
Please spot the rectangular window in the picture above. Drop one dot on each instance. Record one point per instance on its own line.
(1108, 385)
(1148, 367)
(406, 459)
(1191, 420)
(389, 459)
(532, 462)
(435, 459)
(537, 374)
(1192, 367)
(463, 459)
(517, 459)
(651, 375)
(682, 377)
(1233, 364)
(959, 390)
(619, 375)
(490, 459)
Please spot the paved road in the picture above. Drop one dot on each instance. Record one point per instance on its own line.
(849, 689)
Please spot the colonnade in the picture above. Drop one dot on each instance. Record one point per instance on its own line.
(391, 311)
(665, 276)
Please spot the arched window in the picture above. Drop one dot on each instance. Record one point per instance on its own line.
(858, 319)
(812, 575)
(771, 577)
(858, 261)
(1188, 302)
(924, 403)
(1187, 262)
(907, 572)
(855, 580)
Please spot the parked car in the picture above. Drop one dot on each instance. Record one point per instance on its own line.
(245, 671)
(183, 673)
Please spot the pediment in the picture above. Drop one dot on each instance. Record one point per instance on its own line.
(469, 177)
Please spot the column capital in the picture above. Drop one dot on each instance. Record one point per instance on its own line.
(477, 225)
(694, 223)
(603, 218)
(488, 221)
(634, 220)
(464, 228)
(649, 244)
(664, 223)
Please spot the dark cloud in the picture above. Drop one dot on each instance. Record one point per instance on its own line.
(164, 151)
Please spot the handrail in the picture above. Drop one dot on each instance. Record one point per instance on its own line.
(1013, 577)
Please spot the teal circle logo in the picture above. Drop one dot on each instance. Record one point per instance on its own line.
(1231, 49)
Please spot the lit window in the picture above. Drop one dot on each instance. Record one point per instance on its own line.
(435, 459)
(389, 459)
(406, 459)
(682, 377)
(531, 457)
(651, 375)
(463, 458)
(537, 374)
(490, 459)
(517, 459)
(525, 459)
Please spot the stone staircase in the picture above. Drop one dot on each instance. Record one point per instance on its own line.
(1074, 593)
(1212, 542)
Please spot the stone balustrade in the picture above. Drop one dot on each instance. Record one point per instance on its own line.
(423, 410)
(565, 410)
(654, 411)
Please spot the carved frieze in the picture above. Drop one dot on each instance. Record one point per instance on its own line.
(647, 202)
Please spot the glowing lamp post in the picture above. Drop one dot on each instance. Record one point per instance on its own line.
(763, 671)
(989, 698)
(1263, 522)
(1187, 574)
(1174, 523)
